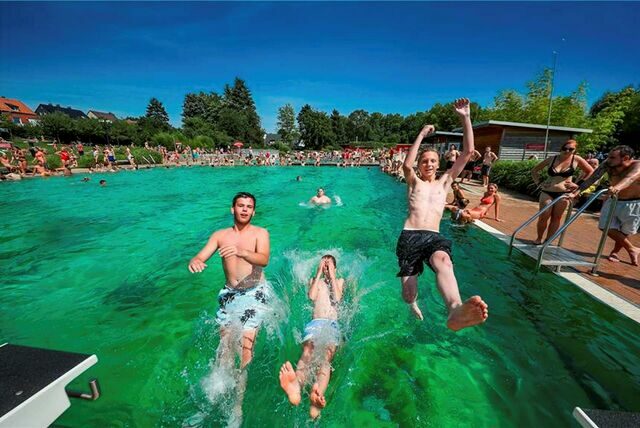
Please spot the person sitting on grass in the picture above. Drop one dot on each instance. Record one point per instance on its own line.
(420, 240)
(490, 199)
(4, 159)
(321, 338)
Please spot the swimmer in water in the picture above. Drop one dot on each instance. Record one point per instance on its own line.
(321, 336)
(320, 198)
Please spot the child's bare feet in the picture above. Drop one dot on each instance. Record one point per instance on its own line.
(473, 311)
(318, 401)
(289, 383)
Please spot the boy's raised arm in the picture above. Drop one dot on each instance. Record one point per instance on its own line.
(461, 106)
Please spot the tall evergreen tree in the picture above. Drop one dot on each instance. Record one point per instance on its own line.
(339, 127)
(238, 101)
(157, 113)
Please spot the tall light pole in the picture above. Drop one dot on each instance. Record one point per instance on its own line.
(553, 75)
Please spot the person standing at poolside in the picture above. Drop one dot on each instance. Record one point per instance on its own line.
(320, 198)
(561, 169)
(624, 180)
(420, 241)
(245, 298)
(321, 335)
(451, 156)
(487, 162)
(469, 166)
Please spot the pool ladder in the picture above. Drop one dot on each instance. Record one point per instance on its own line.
(556, 255)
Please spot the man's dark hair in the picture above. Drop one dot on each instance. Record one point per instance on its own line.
(243, 195)
(624, 151)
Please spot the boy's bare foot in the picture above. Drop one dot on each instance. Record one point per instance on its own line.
(473, 311)
(415, 310)
(538, 242)
(634, 256)
(613, 257)
(314, 412)
(318, 401)
(289, 383)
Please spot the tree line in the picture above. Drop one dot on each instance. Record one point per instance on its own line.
(614, 118)
(211, 119)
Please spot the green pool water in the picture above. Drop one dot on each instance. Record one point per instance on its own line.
(104, 271)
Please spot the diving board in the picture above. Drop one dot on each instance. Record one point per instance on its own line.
(33, 381)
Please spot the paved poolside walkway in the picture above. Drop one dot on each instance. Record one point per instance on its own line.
(582, 237)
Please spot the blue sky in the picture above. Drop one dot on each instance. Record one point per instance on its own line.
(386, 57)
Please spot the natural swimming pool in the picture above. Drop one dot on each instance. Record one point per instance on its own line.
(103, 270)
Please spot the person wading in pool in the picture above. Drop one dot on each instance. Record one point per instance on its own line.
(420, 241)
(320, 198)
(245, 298)
(322, 336)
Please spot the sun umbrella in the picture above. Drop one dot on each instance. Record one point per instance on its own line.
(238, 144)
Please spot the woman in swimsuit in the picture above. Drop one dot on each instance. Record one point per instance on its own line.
(561, 169)
(22, 161)
(41, 163)
(491, 198)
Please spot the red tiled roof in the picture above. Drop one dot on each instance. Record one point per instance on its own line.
(7, 103)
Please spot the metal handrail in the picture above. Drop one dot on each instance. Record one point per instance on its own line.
(573, 218)
(536, 215)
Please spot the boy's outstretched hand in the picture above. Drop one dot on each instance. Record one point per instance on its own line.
(461, 106)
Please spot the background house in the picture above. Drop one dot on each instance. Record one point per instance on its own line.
(44, 109)
(270, 139)
(17, 111)
(104, 117)
(518, 141)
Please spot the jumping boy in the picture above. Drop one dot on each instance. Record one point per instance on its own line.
(420, 240)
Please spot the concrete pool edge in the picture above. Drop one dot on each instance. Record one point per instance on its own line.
(596, 291)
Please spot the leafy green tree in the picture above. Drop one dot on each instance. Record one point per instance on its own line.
(91, 130)
(197, 125)
(377, 131)
(608, 118)
(7, 124)
(339, 127)
(508, 106)
(203, 105)
(315, 128)
(235, 124)
(287, 124)
(358, 127)
(122, 132)
(157, 114)
(629, 131)
(443, 117)
(58, 126)
(412, 125)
